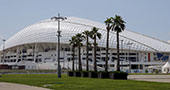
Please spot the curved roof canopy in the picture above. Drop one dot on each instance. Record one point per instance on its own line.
(45, 32)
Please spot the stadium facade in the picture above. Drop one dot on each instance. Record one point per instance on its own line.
(35, 47)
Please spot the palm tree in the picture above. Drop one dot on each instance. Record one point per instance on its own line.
(108, 23)
(86, 35)
(73, 43)
(94, 35)
(79, 39)
(118, 26)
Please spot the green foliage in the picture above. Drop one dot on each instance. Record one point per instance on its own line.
(77, 83)
(85, 71)
(146, 71)
(94, 34)
(156, 71)
(102, 72)
(118, 72)
(72, 41)
(108, 23)
(79, 39)
(118, 24)
(92, 71)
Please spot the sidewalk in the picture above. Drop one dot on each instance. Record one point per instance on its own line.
(10, 86)
(154, 78)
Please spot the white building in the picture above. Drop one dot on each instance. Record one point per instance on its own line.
(35, 47)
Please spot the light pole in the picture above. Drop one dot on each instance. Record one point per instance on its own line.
(122, 55)
(58, 18)
(129, 44)
(3, 51)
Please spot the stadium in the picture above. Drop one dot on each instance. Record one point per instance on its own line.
(34, 47)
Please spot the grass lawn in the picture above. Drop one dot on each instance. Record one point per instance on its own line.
(73, 83)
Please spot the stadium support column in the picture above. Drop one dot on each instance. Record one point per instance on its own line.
(64, 57)
(129, 61)
(18, 53)
(137, 56)
(129, 44)
(82, 53)
(110, 59)
(168, 56)
(21, 53)
(122, 55)
(144, 68)
(3, 51)
(59, 35)
(77, 60)
(35, 52)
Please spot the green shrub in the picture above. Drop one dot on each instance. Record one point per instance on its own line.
(146, 71)
(78, 73)
(93, 74)
(118, 75)
(70, 73)
(84, 74)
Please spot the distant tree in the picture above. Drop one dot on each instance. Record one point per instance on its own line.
(109, 26)
(94, 35)
(79, 44)
(73, 44)
(86, 35)
(118, 26)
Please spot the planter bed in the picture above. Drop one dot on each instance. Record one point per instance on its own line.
(77, 74)
(93, 74)
(118, 75)
(70, 73)
(84, 74)
(103, 75)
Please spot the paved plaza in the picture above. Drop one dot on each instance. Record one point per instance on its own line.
(154, 78)
(11, 86)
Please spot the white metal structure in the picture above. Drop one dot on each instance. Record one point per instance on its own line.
(166, 68)
(39, 36)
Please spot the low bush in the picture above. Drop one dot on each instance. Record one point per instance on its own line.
(93, 74)
(77, 73)
(103, 74)
(84, 74)
(70, 73)
(118, 75)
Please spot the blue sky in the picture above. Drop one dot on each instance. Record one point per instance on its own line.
(149, 17)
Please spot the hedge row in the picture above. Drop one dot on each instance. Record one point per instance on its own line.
(92, 74)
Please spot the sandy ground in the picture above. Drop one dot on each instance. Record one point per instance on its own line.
(154, 78)
(10, 86)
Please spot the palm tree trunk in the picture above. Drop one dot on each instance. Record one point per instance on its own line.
(118, 58)
(73, 59)
(95, 62)
(80, 65)
(87, 54)
(107, 49)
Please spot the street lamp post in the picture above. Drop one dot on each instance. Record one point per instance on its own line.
(3, 51)
(129, 44)
(122, 55)
(58, 18)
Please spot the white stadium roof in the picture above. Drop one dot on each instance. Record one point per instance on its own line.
(45, 32)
